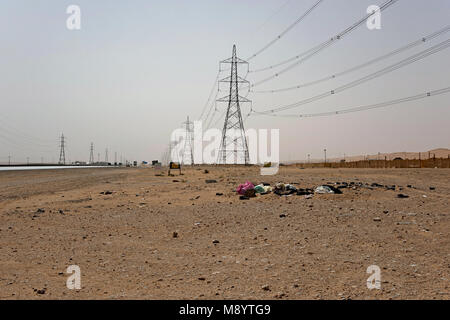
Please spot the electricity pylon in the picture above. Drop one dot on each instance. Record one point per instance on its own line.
(233, 142)
(62, 152)
(188, 149)
(91, 156)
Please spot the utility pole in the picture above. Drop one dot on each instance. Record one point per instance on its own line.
(233, 134)
(106, 155)
(62, 152)
(9, 160)
(115, 157)
(91, 156)
(325, 153)
(188, 142)
(98, 157)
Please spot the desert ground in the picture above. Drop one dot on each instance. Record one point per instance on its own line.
(139, 235)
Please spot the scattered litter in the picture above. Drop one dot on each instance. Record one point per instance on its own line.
(263, 189)
(250, 193)
(259, 188)
(432, 188)
(242, 188)
(282, 189)
(305, 192)
(211, 181)
(402, 196)
(326, 189)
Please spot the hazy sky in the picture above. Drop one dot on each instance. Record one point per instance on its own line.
(136, 69)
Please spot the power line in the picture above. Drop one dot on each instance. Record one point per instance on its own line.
(313, 51)
(303, 16)
(365, 107)
(273, 15)
(210, 94)
(421, 55)
(363, 65)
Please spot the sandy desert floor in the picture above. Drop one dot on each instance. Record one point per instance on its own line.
(161, 237)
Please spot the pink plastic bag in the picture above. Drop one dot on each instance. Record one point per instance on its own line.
(244, 187)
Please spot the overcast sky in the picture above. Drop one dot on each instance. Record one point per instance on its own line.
(136, 69)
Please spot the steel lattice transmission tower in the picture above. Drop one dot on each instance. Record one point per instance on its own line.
(62, 152)
(188, 149)
(91, 156)
(234, 142)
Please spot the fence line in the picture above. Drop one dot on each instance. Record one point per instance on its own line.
(399, 163)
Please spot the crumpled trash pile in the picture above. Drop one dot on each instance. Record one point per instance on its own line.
(249, 190)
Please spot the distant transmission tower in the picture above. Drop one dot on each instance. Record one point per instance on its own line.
(106, 155)
(188, 150)
(62, 152)
(91, 156)
(233, 142)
